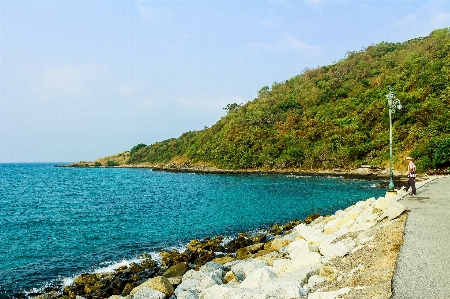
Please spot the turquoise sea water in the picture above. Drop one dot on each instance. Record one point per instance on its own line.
(56, 222)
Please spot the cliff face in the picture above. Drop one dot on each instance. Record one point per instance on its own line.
(334, 116)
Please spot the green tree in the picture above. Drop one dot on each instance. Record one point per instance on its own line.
(232, 107)
(111, 163)
(332, 116)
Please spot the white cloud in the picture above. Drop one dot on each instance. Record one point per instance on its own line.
(153, 14)
(68, 81)
(129, 88)
(272, 22)
(286, 43)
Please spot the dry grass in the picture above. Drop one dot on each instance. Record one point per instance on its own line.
(369, 270)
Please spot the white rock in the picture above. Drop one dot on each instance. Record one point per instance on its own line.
(340, 224)
(212, 278)
(210, 267)
(381, 203)
(296, 248)
(188, 284)
(314, 280)
(306, 263)
(231, 264)
(147, 293)
(394, 210)
(365, 220)
(258, 278)
(279, 243)
(317, 221)
(186, 295)
(244, 269)
(282, 288)
(192, 274)
(223, 292)
(332, 250)
(308, 232)
(329, 295)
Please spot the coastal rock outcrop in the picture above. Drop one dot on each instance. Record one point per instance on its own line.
(298, 263)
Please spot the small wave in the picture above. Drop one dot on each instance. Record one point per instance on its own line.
(67, 281)
(296, 176)
(116, 265)
(38, 290)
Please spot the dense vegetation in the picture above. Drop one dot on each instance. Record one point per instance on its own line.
(332, 116)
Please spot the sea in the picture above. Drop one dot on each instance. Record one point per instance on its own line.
(59, 222)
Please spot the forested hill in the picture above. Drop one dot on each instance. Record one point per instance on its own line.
(332, 116)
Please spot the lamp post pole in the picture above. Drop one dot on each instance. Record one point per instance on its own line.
(393, 104)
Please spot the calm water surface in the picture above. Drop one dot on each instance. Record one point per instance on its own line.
(56, 223)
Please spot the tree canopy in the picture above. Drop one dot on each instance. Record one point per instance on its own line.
(332, 116)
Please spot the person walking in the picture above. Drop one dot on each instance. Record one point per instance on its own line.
(411, 176)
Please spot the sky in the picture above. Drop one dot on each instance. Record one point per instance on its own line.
(80, 80)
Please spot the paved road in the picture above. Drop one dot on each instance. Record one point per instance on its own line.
(423, 265)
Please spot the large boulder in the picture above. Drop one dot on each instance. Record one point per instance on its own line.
(207, 244)
(49, 295)
(97, 284)
(148, 263)
(277, 243)
(204, 258)
(257, 278)
(282, 288)
(311, 218)
(393, 210)
(306, 263)
(225, 292)
(194, 282)
(247, 251)
(176, 270)
(246, 267)
(223, 260)
(187, 294)
(171, 258)
(312, 234)
(296, 248)
(332, 250)
(187, 285)
(148, 293)
(240, 242)
(159, 283)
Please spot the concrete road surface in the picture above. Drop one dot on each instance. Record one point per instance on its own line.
(423, 265)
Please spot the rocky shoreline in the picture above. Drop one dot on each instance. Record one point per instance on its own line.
(350, 254)
(361, 172)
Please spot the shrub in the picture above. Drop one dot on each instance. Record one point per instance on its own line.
(111, 163)
(441, 155)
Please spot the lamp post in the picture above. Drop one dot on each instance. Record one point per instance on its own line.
(393, 104)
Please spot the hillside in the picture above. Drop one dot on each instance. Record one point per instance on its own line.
(332, 116)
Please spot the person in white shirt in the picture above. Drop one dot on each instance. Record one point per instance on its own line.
(411, 175)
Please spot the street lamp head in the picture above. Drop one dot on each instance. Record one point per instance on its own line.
(390, 96)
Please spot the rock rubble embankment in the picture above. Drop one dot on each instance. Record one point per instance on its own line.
(350, 254)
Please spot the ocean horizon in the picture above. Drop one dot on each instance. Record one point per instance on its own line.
(58, 222)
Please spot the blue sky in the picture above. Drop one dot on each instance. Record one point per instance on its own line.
(81, 80)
